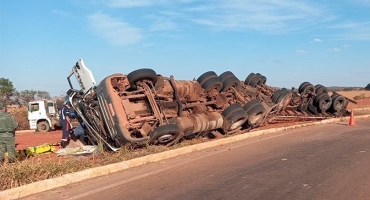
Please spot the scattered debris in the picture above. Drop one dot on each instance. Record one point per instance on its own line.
(77, 151)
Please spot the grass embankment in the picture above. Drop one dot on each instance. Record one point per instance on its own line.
(49, 166)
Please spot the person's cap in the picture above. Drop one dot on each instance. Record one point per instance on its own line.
(2, 106)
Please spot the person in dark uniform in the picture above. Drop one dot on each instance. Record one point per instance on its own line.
(7, 134)
(65, 121)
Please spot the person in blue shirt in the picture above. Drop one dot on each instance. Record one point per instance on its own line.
(65, 121)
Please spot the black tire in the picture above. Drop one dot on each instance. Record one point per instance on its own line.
(263, 79)
(235, 116)
(300, 86)
(334, 95)
(338, 102)
(43, 126)
(255, 81)
(276, 95)
(232, 81)
(165, 134)
(213, 82)
(256, 115)
(250, 104)
(307, 89)
(141, 74)
(323, 102)
(249, 78)
(226, 75)
(283, 96)
(202, 78)
(232, 108)
(318, 85)
(320, 89)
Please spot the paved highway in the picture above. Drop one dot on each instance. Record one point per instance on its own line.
(319, 162)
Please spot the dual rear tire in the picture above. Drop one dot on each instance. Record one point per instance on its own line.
(209, 80)
(256, 112)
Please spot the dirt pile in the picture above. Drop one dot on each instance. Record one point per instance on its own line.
(20, 114)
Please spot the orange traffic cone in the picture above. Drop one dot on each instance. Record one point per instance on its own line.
(351, 120)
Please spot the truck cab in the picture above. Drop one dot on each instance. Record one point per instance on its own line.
(43, 115)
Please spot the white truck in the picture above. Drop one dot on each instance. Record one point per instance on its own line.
(43, 115)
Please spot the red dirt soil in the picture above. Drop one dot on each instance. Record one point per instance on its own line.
(24, 140)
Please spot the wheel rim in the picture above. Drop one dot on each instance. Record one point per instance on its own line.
(256, 118)
(165, 138)
(340, 103)
(237, 124)
(325, 104)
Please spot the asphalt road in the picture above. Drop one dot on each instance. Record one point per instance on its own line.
(329, 161)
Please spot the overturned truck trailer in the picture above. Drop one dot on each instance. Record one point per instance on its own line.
(144, 107)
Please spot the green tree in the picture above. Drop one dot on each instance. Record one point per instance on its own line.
(27, 95)
(7, 90)
(43, 95)
(8, 94)
(367, 87)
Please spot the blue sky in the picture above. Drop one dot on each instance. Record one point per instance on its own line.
(289, 41)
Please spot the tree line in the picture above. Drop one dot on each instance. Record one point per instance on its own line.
(10, 95)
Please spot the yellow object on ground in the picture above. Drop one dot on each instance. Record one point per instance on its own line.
(36, 150)
(41, 149)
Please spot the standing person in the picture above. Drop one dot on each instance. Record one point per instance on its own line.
(65, 122)
(7, 134)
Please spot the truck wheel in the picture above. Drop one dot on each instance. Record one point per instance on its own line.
(320, 89)
(255, 81)
(226, 75)
(283, 96)
(250, 104)
(43, 126)
(256, 115)
(212, 83)
(165, 134)
(300, 86)
(317, 85)
(334, 95)
(232, 81)
(307, 89)
(263, 80)
(323, 102)
(249, 78)
(338, 102)
(205, 76)
(276, 95)
(141, 74)
(235, 116)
